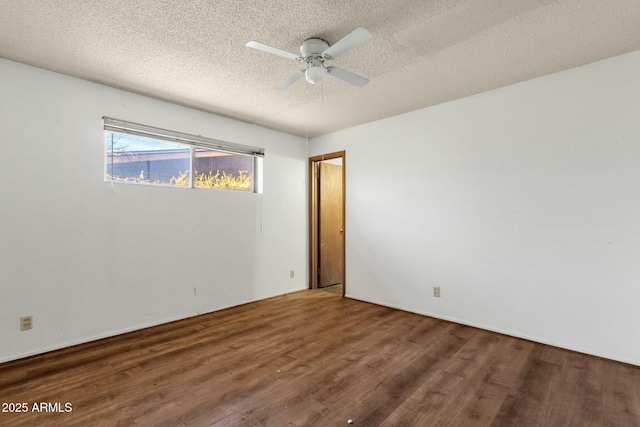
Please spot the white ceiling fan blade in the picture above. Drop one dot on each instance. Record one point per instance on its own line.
(347, 76)
(270, 49)
(291, 80)
(348, 42)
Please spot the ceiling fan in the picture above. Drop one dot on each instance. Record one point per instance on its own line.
(315, 52)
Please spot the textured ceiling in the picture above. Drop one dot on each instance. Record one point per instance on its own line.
(424, 52)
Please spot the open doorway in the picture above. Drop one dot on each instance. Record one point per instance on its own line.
(327, 222)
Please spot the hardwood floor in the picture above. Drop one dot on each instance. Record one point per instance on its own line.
(313, 358)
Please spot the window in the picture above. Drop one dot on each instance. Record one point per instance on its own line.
(146, 155)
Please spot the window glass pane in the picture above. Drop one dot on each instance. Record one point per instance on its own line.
(214, 169)
(135, 159)
(145, 160)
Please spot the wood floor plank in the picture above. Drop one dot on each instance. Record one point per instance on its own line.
(315, 359)
(528, 404)
(620, 394)
(580, 388)
(478, 398)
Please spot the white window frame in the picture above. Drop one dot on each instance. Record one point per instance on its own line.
(194, 141)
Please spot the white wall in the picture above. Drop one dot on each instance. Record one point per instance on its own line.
(90, 259)
(522, 204)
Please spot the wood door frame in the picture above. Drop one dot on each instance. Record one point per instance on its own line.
(314, 253)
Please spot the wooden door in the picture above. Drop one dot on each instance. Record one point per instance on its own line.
(330, 211)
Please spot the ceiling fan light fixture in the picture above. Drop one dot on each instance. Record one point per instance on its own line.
(315, 74)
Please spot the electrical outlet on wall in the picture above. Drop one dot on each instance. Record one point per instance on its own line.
(26, 323)
(436, 291)
(292, 274)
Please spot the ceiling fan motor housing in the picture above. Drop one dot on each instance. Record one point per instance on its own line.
(312, 48)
